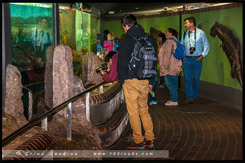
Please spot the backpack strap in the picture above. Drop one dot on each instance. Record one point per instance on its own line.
(133, 37)
(173, 45)
(174, 39)
(145, 36)
(184, 35)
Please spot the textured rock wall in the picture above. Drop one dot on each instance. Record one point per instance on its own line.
(78, 106)
(48, 78)
(62, 76)
(84, 74)
(90, 62)
(65, 86)
(13, 103)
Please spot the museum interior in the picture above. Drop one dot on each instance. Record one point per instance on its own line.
(57, 106)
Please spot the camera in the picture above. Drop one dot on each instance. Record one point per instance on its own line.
(192, 49)
(102, 67)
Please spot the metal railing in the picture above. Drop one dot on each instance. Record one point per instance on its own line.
(32, 84)
(56, 109)
(29, 89)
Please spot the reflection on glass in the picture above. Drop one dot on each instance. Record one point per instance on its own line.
(40, 35)
(31, 34)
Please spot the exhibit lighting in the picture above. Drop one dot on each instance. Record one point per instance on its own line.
(34, 4)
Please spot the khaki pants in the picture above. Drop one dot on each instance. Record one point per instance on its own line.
(136, 96)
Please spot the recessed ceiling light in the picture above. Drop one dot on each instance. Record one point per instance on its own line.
(111, 12)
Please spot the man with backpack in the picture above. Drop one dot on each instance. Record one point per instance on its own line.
(135, 81)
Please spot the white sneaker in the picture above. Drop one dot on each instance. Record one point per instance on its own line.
(171, 103)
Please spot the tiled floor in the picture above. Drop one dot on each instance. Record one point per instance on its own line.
(204, 131)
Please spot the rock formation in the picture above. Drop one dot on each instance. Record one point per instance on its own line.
(232, 47)
(200, 26)
(48, 78)
(65, 86)
(154, 34)
(13, 117)
(89, 75)
(62, 76)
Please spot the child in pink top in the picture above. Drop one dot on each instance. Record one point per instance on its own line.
(109, 46)
(109, 43)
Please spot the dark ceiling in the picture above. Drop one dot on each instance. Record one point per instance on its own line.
(139, 9)
(133, 8)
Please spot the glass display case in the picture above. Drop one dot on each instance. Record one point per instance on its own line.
(31, 34)
(78, 30)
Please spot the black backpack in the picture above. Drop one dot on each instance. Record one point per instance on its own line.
(143, 62)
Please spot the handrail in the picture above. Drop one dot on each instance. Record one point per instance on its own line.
(56, 109)
(31, 84)
(24, 87)
(35, 83)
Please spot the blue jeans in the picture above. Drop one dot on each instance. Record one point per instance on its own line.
(192, 71)
(172, 84)
(161, 80)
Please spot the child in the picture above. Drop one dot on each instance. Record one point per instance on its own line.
(116, 44)
(109, 43)
(152, 99)
(98, 46)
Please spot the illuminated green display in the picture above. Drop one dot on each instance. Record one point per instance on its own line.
(216, 67)
(31, 34)
(78, 30)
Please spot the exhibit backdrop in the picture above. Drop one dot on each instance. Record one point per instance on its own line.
(216, 66)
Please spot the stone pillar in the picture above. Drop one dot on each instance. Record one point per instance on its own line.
(13, 108)
(65, 86)
(62, 76)
(48, 77)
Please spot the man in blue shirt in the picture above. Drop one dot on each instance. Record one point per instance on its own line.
(197, 47)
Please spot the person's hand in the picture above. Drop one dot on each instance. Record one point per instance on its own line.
(108, 69)
(200, 58)
(101, 72)
(150, 86)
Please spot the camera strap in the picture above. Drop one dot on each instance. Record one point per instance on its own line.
(195, 35)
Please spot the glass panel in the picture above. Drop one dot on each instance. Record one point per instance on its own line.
(67, 25)
(95, 28)
(70, 31)
(31, 34)
(86, 31)
(78, 30)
